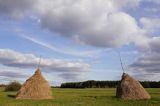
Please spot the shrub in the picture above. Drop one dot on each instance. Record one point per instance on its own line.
(13, 86)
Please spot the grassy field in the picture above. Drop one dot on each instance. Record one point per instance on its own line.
(80, 97)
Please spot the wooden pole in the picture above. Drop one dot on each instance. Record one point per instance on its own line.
(39, 62)
(121, 62)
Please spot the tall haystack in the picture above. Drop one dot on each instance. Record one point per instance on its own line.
(131, 89)
(36, 87)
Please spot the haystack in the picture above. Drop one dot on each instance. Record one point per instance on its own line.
(131, 89)
(36, 87)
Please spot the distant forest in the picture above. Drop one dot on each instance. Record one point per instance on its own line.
(105, 84)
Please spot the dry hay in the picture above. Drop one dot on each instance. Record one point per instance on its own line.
(36, 87)
(131, 89)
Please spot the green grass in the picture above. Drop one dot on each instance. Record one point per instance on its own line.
(80, 97)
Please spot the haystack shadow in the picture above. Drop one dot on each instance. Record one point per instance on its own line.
(11, 95)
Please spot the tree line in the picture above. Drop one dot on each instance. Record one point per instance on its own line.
(105, 84)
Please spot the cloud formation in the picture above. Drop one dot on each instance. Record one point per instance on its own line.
(101, 23)
(98, 23)
(153, 1)
(16, 8)
(150, 24)
(149, 63)
(70, 76)
(11, 75)
(89, 53)
(12, 58)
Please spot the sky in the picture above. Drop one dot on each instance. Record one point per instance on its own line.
(79, 40)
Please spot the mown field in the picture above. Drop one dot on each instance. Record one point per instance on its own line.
(80, 97)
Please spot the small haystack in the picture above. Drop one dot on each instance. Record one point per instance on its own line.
(131, 89)
(36, 87)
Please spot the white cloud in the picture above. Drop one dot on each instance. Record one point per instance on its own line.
(149, 62)
(152, 10)
(70, 76)
(8, 74)
(153, 1)
(11, 58)
(101, 23)
(97, 23)
(156, 1)
(16, 8)
(126, 3)
(12, 75)
(150, 24)
(89, 53)
(147, 66)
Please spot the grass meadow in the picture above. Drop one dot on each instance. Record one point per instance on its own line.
(80, 97)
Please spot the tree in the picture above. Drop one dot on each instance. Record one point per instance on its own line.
(13, 86)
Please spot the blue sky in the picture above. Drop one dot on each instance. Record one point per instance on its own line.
(79, 40)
